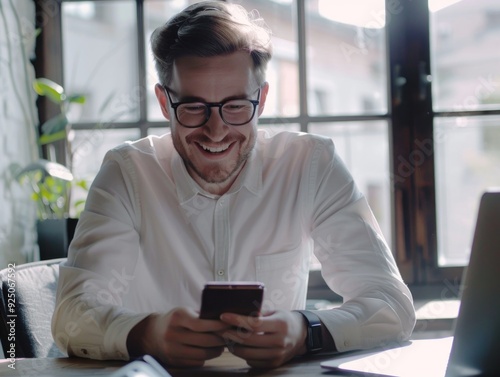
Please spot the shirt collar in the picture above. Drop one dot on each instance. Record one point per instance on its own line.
(250, 177)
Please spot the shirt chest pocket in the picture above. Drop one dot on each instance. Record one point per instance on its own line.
(285, 275)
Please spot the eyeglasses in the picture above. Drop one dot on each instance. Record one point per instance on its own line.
(193, 114)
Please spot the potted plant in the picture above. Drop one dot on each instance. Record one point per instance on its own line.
(51, 183)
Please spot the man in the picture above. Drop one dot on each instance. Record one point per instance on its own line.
(218, 200)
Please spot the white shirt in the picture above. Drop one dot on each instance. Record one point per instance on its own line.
(150, 238)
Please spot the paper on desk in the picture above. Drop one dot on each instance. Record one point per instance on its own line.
(424, 357)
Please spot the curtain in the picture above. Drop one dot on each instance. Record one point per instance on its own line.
(18, 124)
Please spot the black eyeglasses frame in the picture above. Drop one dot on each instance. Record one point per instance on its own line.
(209, 105)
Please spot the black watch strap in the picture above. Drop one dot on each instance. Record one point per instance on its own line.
(314, 340)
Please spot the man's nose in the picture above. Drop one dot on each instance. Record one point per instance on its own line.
(215, 127)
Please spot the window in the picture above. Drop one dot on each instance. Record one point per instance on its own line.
(466, 97)
(408, 91)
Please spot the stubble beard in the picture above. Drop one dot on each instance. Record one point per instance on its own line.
(215, 173)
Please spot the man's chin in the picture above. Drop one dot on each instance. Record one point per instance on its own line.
(215, 177)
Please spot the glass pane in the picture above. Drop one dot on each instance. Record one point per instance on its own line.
(282, 75)
(364, 147)
(467, 158)
(282, 71)
(156, 13)
(465, 37)
(279, 127)
(100, 59)
(346, 63)
(89, 147)
(158, 131)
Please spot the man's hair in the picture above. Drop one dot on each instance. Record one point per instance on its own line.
(211, 28)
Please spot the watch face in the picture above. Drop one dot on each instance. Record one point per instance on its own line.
(315, 341)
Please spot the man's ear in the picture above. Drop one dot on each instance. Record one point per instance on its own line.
(263, 95)
(162, 100)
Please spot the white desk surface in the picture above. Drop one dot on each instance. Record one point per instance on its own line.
(423, 357)
(411, 360)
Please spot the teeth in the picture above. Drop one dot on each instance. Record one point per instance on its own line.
(215, 149)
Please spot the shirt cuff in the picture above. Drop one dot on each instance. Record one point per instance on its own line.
(115, 339)
(343, 327)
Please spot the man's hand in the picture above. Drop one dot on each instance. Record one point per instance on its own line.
(178, 338)
(267, 341)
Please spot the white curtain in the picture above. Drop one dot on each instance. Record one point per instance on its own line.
(18, 120)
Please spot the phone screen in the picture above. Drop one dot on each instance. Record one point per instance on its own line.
(243, 298)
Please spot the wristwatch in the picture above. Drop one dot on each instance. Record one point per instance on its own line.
(314, 340)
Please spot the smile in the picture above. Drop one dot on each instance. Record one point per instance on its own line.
(219, 149)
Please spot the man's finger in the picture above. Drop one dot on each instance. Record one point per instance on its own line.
(243, 322)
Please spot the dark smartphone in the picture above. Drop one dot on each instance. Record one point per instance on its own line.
(238, 297)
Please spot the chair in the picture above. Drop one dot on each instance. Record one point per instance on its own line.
(34, 290)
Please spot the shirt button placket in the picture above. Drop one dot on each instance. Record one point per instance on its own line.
(221, 223)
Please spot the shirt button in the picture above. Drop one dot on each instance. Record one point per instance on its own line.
(220, 272)
(346, 343)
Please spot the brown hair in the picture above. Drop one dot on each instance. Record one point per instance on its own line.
(211, 28)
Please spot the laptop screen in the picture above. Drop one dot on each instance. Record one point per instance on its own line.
(477, 329)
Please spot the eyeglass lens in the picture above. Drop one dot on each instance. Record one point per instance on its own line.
(235, 112)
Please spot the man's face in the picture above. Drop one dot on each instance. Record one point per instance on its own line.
(215, 152)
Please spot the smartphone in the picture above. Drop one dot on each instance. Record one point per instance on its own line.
(240, 297)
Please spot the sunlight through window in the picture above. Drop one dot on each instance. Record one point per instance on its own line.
(362, 13)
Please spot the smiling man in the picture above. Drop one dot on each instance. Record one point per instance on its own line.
(215, 153)
(216, 199)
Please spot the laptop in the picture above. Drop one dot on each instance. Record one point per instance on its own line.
(474, 350)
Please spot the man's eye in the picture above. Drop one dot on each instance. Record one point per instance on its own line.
(236, 106)
(193, 108)
(233, 107)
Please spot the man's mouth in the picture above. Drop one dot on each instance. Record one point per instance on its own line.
(218, 149)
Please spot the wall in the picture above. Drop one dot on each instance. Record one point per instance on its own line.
(18, 120)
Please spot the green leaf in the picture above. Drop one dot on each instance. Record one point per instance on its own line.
(33, 173)
(50, 89)
(79, 203)
(76, 98)
(47, 139)
(55, 124)
(82, 183)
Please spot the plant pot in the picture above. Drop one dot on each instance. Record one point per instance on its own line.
(54, 237)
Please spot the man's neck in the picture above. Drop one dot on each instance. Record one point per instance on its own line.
(215, 188)
(219, 188)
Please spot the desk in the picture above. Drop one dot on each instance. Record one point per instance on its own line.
(416, 359)
(226, 365)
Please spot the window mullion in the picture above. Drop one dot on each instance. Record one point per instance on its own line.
(403, 134)
(49, 64)
(302, 62)
(141, 64)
